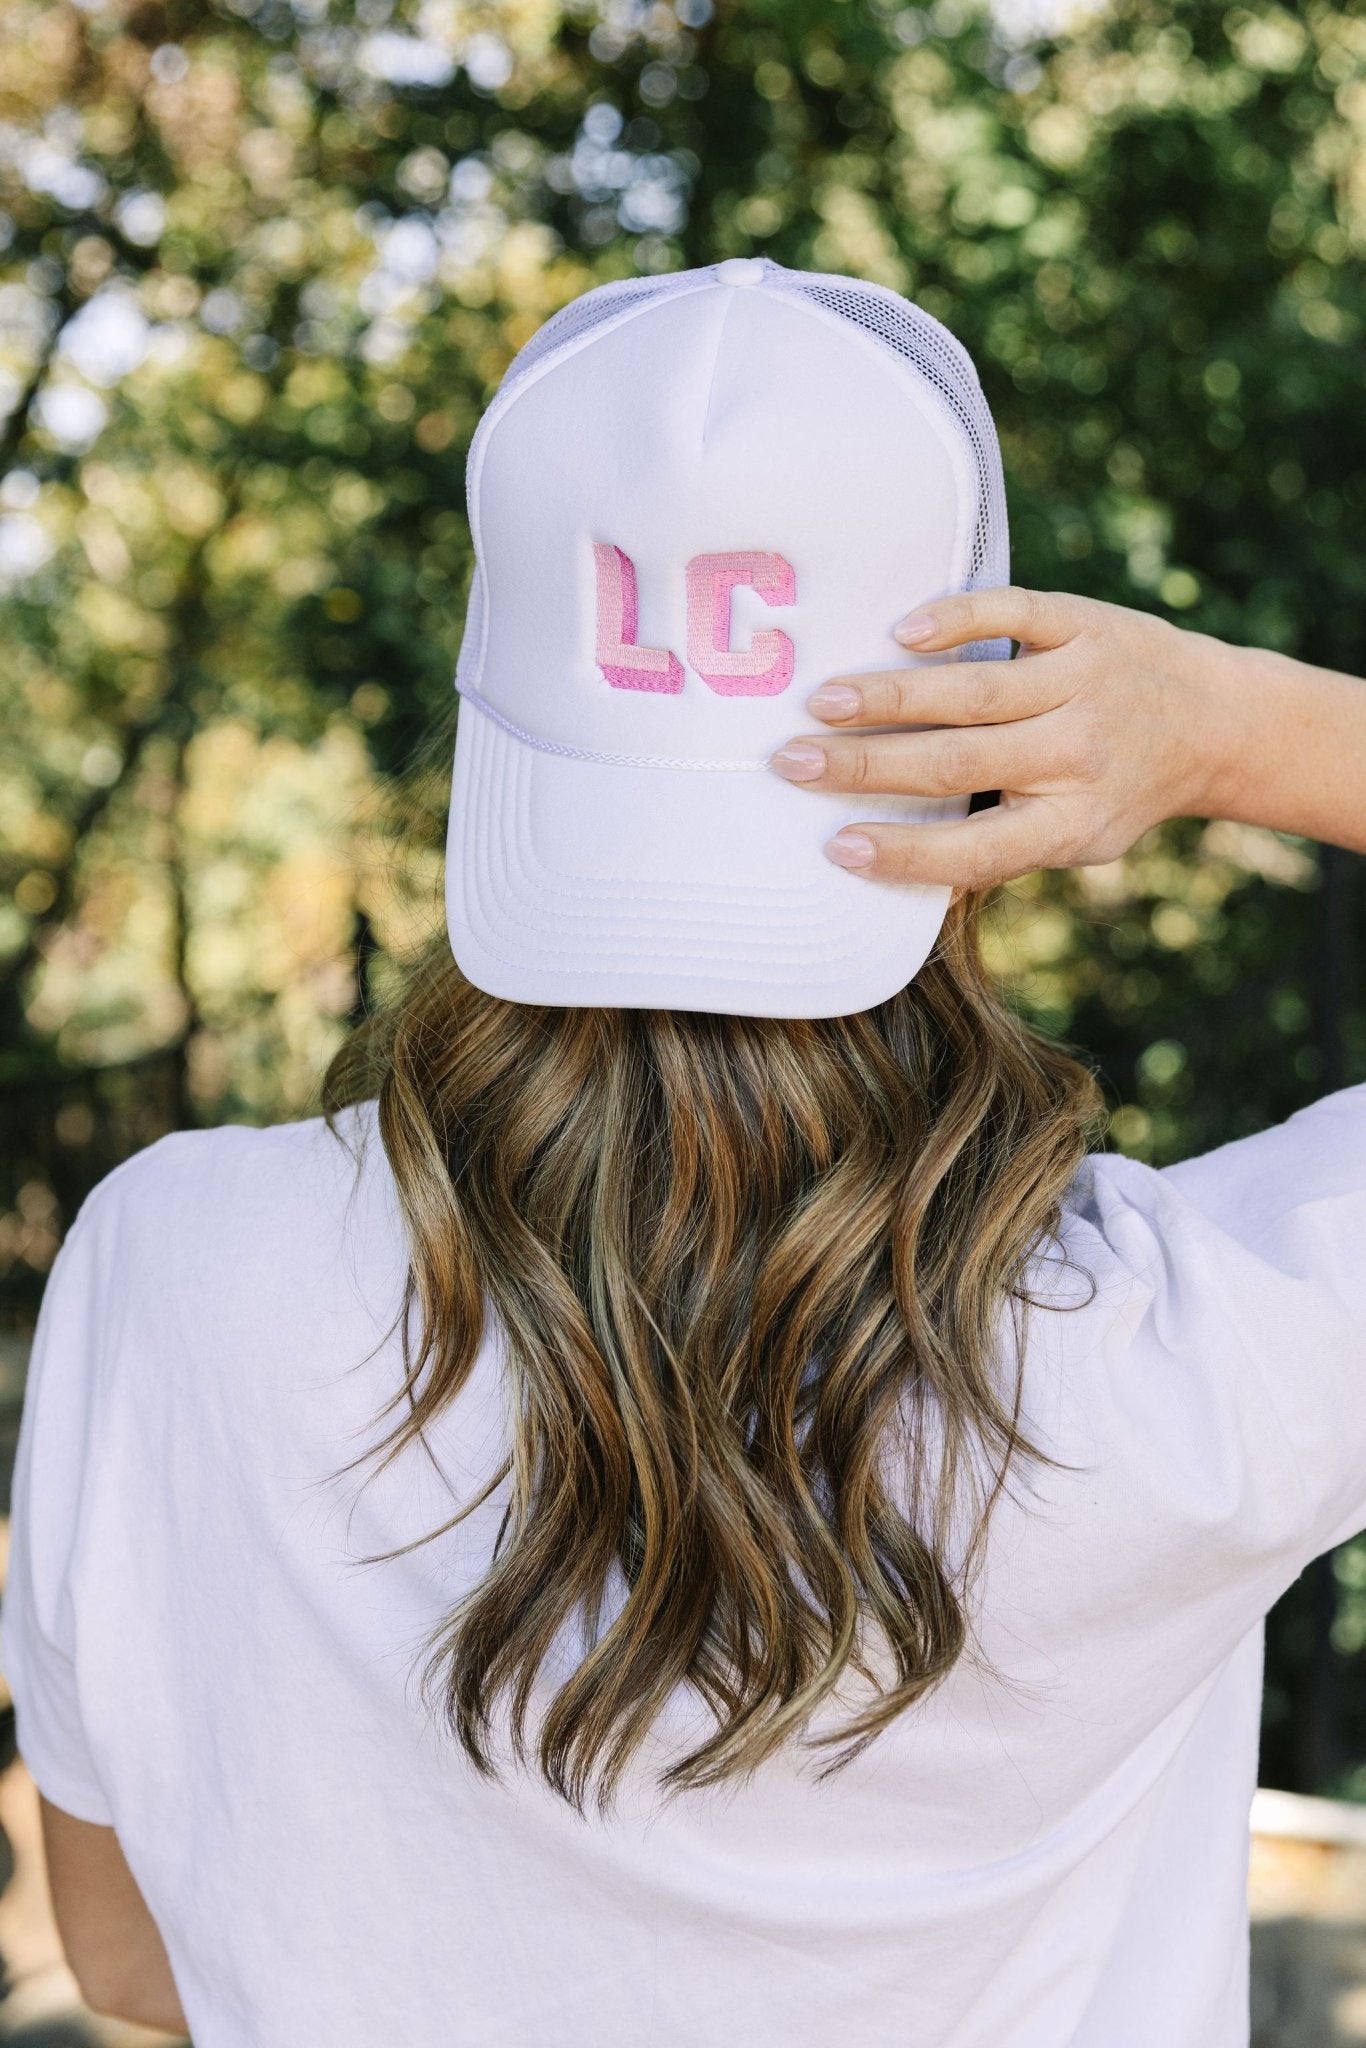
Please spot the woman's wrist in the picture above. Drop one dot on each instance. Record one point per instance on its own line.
(1283, 743)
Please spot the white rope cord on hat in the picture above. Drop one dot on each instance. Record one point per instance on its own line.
(549, 746)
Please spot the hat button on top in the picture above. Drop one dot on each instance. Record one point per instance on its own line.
(740, 270)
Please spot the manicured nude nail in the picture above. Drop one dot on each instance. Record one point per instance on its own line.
(798, 763)
(917, 626)
(834, 700)
(851, 850)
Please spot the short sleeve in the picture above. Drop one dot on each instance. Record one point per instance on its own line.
(1257, 1264)
(39, 1622)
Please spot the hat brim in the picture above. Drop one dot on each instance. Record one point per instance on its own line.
(563, 886)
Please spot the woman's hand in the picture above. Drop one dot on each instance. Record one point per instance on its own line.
(1107, 722)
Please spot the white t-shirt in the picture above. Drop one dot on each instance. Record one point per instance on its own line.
(1055, 1858)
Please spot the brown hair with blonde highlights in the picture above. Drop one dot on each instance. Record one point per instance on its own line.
(726, 1254)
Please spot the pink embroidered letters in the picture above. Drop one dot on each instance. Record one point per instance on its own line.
(765, 666)
(760, 670)
(625, 665)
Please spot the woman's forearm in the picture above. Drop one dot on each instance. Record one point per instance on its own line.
(1290, 750)
(156, 2006)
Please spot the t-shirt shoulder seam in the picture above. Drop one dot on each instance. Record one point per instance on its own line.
(136, 1162)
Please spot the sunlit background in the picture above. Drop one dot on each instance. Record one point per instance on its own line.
(261, 265)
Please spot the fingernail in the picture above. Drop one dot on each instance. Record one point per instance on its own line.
(834, 700)
(851, 850)
(916, 626)
(798, 763)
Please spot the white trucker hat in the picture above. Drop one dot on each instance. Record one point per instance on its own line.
(693, 499)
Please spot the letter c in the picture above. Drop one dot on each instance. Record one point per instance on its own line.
(765, 666)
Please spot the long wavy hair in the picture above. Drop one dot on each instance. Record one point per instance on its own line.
(732, 1258)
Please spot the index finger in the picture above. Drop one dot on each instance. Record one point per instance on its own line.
(1036, 618)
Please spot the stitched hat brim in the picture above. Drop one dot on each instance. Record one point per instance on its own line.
(560, 892)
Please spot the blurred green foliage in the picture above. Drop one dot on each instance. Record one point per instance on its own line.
(261, 265)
